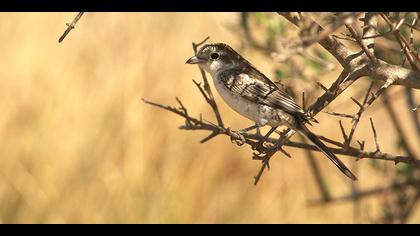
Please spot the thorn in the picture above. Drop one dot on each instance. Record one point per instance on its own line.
(195, 45)
(322, 86)
(285, 153)
(342, 131)
(361, 144)
(357, 102)
(212, 135)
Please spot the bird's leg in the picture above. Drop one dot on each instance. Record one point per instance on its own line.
(238, 136)
(258, 132)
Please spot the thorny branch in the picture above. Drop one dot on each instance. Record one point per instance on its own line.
(359, 67)
(356, 65)
(352, 61)
(378, 69)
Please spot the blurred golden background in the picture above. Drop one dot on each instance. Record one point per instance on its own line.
(78, 145)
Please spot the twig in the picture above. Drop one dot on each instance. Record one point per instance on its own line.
(339, 114)
(337, 49)
(361, 43)
(391, 31)
(313, 33)
(404, 44)
(356, 118)
(70, 26)
(288, 133)
(361, 144)
(374, 135)
(343, 132)
(208, 95)
(360, 154)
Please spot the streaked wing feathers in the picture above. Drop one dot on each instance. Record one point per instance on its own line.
(255, 87)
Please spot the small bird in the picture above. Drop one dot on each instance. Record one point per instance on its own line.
(250, 93)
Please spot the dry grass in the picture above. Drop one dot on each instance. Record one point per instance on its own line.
(78, 145)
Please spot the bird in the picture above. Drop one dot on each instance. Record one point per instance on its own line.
(253, 95)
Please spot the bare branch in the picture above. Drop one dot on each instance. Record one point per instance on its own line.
(352, 62)
(337, 49)
(358, 39)
(208, 95)
(342, 83)
(356, 118)
(70, 26)
(404, 44)
(343, 132)
(360, 154)
(393, 28)
(370, 23)
(285, 135)
(401, 76)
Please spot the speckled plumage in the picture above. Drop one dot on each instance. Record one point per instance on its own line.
(248, 97)
(250, 93)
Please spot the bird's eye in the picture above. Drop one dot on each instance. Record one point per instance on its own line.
(214, 56)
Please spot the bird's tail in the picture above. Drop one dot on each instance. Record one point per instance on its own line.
(321, 146)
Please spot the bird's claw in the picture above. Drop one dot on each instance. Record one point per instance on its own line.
(260, 147)
(236, 137)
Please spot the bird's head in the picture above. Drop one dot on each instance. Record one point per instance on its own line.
(215, 57)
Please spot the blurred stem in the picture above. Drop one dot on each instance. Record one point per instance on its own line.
(410, 102)
(320, 181)
(248, 36)
(356, 201)
(408, 209)
(396, 124)
(370, 192)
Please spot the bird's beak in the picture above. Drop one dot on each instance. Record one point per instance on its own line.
(195, 60)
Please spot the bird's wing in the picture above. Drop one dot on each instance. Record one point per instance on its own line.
(254, 86)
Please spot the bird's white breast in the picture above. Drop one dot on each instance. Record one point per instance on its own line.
(242, 106)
